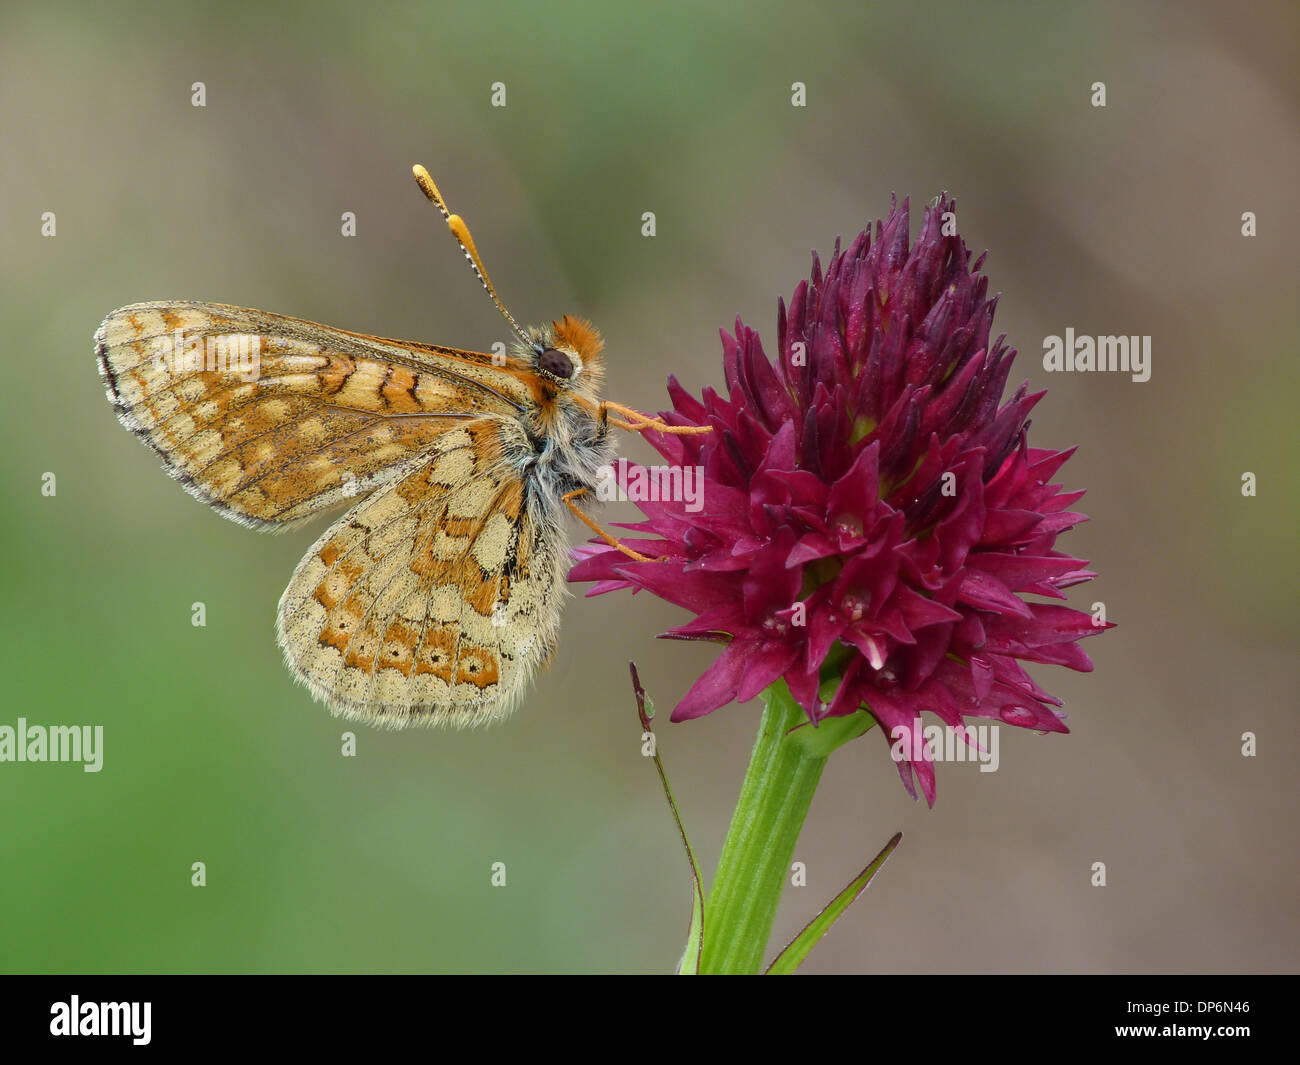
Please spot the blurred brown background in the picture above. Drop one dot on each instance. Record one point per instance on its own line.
(1123, 219)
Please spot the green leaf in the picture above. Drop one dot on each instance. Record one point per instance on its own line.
(792, 957)
(690, 963)
(832, 733)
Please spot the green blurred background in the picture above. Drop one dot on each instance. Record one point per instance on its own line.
(1117, 220)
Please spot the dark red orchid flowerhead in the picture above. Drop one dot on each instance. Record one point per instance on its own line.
(873, 517)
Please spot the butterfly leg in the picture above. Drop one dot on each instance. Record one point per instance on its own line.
(613, 542)
(641, 422)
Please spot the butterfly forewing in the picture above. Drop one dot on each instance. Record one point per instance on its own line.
(270, 419)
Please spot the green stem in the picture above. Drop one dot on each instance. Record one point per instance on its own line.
(779, 784)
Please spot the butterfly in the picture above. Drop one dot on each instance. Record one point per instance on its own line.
(435, 597)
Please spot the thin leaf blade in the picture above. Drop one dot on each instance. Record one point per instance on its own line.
(690, 962)
(793, 955)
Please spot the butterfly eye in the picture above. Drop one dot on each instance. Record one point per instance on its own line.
(556, 363)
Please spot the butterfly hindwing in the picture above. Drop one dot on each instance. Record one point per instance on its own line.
(433, 600)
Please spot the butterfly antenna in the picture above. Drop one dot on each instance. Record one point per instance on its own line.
(461, 232)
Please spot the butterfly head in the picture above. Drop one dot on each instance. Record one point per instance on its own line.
(567, 356)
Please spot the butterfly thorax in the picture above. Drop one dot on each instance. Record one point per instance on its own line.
(569, 441)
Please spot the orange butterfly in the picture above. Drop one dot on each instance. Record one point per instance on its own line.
(434, 598)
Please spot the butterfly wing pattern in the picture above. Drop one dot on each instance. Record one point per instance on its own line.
(434, 599)
(435, 596)
(313, 417)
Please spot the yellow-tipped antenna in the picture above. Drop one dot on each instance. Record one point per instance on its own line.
(460, 231)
